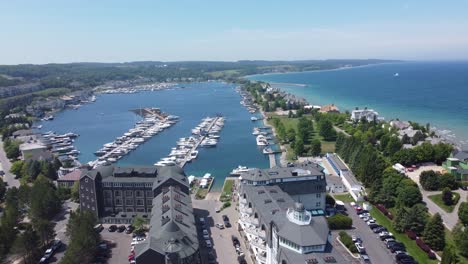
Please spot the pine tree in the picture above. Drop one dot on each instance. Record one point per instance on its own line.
(434, 233)
(449, 256)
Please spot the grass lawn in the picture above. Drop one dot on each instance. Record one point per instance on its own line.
(327, 146)
(346, 198)
(411, 246)
(226, 193)
(437, 198)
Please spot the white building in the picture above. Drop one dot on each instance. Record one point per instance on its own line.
(354, 187)
(368, 114)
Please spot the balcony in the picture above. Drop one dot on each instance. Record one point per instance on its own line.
(260, 244)
(243, 201)
(244, 209)
(255, 232)
(250, 220)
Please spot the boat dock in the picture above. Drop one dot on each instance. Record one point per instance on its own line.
(154, 122)
(186, 150)
(199, 141)
(272, 158)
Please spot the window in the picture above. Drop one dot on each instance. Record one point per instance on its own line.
(107, 194)
(318, 195)
(82, 187)
(141, 210)
(149, 202)
(117, 193)
(317, 204)
(86, 180)
(128, 193)
(107, 202)
(118, 201)
(138, 193)
(139, 202)
(149, 194)
(129, 202)
(130, 210)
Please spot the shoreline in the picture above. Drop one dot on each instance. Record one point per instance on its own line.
(283, 159)
(449, 134)
(325, 70)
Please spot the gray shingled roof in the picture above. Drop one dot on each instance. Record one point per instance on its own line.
(308, 169)
(271, 204)
(461, 155)
(338, 162)
(173, 227)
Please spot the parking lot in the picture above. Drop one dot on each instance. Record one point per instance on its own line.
(223, 248)
(375, 248)
(121, 245)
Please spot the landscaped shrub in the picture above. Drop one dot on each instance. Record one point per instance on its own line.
(339, 221)
(423, 245)
(431, 254)
(347, 241)
(412, 235)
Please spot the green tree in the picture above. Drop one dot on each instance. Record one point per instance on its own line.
(392, 146)
(408, 196)
(75, 192)
(316, 147)
(417, 218)
(48, 170)
(460, 235)
(400, 222)
(299, 147)
(27, 245)
(16, 168)
(139, 224)
(434, 233)
(326, 130)
(45, 230)
(449, 256)
(339, 221)
(329, 200)
(44, 203)
(448, 180)
(463, 213)
(429, 180)
(291, 134)
(447, 196)
(83, 238)
(2, 189)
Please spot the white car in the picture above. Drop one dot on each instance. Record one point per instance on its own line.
(364, 215)
(360, 247)
(370, 221)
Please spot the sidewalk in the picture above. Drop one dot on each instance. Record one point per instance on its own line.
(9, 178)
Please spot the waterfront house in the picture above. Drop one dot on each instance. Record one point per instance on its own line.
(368, 114)
(34, 151)
(457, 164)
(400, 125)
(330, 108)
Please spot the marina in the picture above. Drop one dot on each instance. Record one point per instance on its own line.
(206, 135)
(153, 123)
(109, 117)
(61, 145)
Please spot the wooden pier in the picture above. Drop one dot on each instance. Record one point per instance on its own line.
(199, 141)
(272, 160)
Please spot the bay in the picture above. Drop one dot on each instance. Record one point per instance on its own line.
(110, 116)
(425, 92)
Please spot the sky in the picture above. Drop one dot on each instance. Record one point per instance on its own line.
(57, 31)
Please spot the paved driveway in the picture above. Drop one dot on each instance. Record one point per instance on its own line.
(221, 238)
(60, 228)
(121, 249)
(375, 248)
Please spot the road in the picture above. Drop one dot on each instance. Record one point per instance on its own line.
(223, 248)
(339, 130)
(375, 248)
(60, 228)
(6, 164)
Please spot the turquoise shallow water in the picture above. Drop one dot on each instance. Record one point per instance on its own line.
(434, 92)
(101, 122)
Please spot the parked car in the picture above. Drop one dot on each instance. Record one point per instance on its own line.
(112, 228)
(355, 239)
(220, 226)
(121, 228)
(379, 229)
(360, 248)
(373, 225)
(98, 228)
(365, 258)
(217, 210)
(235, 241)
(208, 243)
(129, 229)
(388, 240)
(226, 221)
(364, 215)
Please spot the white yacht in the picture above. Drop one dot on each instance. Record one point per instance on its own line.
(239, 170)
(261, 140)
(194, 154)
(253, 118)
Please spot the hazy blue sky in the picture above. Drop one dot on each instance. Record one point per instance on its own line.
(42, 31)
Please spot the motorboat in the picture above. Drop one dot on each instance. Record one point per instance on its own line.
(262, 141)
(194, 154)
(253, 118)
(267, 150)
(239, 170)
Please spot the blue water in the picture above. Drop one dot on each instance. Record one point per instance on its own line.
(434, 92)
(101, 122)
